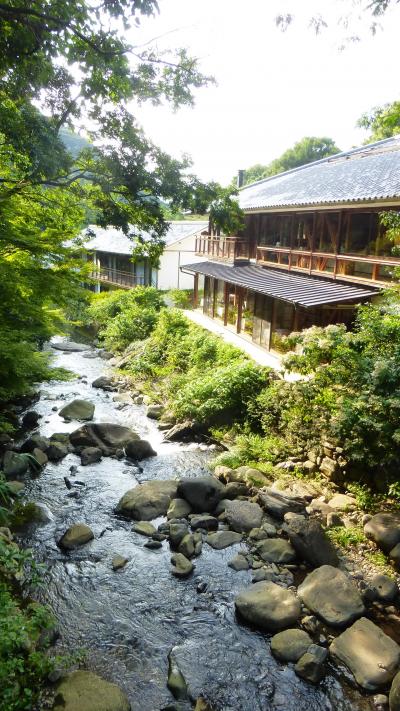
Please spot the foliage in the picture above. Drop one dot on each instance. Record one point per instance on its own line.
(181, 298)
(121, 316)
(381, 121)
(307, 150)
(346, 537)
(202, 377)
(366, 499)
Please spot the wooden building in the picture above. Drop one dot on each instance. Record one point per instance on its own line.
(313, 247)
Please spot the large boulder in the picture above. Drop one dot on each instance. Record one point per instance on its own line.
(268, 606)
(372, 656)
(14, 464)
(290, 645)
(80, 410)
(36, 441)
(329, 593)
(202, 493)
(184, 432)
(181, 566)
(75, 536)
(310, 541)
(85, 691)
(276, 550)
(242, 516)
(149, 500)
(179, 508)
(384, 529)
(57, 451)
(106, 435)
(90, 455)
(139, 449)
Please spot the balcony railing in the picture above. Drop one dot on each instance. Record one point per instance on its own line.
(227, 249)
(126, 280)
(348, 267)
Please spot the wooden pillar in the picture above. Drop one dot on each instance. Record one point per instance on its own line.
(239, 308)
(273, 323)
(226, 302)
(196, 291)
(214, 296)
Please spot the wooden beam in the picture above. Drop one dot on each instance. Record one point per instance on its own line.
(196, 291)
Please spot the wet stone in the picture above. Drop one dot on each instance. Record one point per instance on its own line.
(181, 566)
(119, 562)
(290, 645)
(268, 606)
(239, 562)
(223, 539)
(204, 521)
(153, 544)
(144, 528)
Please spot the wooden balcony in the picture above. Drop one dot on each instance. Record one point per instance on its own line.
(346, 267)
(124, 280)
(226, 249)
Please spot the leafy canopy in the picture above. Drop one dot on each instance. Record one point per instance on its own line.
(381, 121)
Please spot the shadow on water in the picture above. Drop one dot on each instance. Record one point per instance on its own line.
(128, 621)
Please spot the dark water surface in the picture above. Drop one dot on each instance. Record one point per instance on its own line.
(128, 621)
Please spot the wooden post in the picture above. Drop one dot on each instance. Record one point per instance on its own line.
(226, 303)
(239, 308)
(196, 291)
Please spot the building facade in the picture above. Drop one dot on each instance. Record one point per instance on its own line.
(313, 247)
(113, 267)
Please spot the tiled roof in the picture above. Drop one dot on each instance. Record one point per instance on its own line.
(113, 240)
(371, 172)
(300, 290)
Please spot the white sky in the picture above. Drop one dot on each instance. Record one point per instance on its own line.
(273, 87)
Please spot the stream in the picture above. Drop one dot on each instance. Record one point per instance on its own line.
(128, 621)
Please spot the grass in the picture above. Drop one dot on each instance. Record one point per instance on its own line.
(346, 537)
(379, 559)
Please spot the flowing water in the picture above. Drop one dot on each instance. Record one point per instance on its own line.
(128, 621)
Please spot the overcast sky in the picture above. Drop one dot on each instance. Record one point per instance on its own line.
(273, 87)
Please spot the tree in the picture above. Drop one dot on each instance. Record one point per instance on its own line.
(67, 64)
(382, 121)
(305, 151)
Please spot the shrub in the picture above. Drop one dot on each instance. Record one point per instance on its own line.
(181, 298)
(132, 324)
(109, 304)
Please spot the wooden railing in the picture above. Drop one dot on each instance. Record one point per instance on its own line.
(112, 276)
(332, 265)
(224, 248)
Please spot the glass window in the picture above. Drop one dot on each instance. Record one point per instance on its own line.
(303, 232)
(283, 324)
(327, 232)
(219, 299)
(232, 305)
(248, 313)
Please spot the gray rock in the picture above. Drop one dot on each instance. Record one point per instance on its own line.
(276, 550)
(176, 681)
(204, 521)
(223, 539)
(40, 457)
(181, 566)
(331, 470)
(186, 546)
(177, 531)
(183, 432)
(372, 656)
(85, 691)
(57, 451)
(384, 529)
(144, 528)
(153, 544)
(75, 536)
(394, 696)
(202, 493)
(15, 487)
(103, 383)
(148, 500)
(329, 593)
(263, 574)
(258, 534)
(80, 410)
(278, 503)
(311, 542)
(179, 508)
(106, 435)
(385, 588)
(239, 562)
(242, 516)
(154, 412)
(90, 455)
(268, 606)
(290, 645)
(342, 502)
(14, 464)
(119, 562)
(394, 555)
(310, 666)
(234, 489)
(36, 441)
(139, 449)
(31, 419)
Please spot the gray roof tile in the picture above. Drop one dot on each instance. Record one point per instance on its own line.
(371, 172)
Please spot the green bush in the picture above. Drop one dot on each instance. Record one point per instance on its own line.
(181, 298)
(132, 324)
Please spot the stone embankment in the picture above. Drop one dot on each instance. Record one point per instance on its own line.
(315, 607)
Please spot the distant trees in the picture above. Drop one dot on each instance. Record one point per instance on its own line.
(309, 149)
